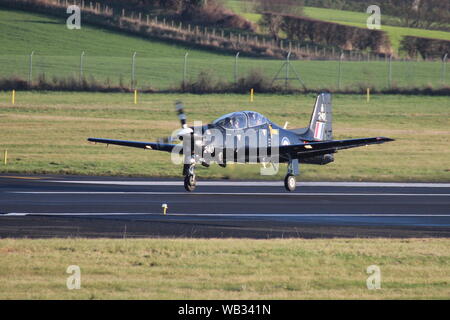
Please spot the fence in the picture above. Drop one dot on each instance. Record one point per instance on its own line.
(144, 23)
(142, 71)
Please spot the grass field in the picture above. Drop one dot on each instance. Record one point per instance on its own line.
(357, 19)
(46, 133)
(225, 269)
(160, 65)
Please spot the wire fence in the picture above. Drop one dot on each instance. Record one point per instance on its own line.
(169, 72)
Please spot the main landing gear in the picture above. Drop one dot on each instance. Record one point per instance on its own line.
(293, 170)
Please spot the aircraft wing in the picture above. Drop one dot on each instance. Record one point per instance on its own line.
(136, 144)
(311, 149)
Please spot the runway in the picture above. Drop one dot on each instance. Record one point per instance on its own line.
(70, 206)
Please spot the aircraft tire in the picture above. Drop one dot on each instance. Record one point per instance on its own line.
(189, 182)
(290, 182)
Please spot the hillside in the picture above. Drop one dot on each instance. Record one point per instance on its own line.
(357, 19)
(160, 64)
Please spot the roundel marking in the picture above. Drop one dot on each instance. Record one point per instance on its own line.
(285, 141)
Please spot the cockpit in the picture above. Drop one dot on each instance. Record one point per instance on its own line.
(240, 120)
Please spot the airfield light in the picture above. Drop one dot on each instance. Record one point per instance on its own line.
(164, 206)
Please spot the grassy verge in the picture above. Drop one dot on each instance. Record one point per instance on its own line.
(46, 133)
(225, 269)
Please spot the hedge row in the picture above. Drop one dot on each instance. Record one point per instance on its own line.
(333, 34)
(426, 47)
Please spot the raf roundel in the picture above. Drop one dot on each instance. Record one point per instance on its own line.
(285, 141)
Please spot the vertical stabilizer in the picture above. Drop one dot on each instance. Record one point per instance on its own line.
(320, 126)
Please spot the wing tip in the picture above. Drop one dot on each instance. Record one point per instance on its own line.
(385, 139)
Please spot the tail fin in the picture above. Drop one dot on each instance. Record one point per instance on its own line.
(320, 126)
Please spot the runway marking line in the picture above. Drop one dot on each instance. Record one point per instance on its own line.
(231, 193)
(260, 183)
(225, 214)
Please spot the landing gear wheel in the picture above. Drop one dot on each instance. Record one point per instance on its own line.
(189, 182)
(289, 182)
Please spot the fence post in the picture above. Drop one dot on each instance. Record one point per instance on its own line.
(81, 66)
(133, 64)
(339, 70)
(30, 75)
(185, 69)
(236, 68)
(390, 72)
(444, 67)
(287, 71)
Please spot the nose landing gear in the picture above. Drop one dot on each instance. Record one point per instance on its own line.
(190, 181)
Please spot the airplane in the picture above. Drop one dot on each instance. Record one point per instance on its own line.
(231, 141)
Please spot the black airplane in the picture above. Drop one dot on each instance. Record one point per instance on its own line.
(249, 137)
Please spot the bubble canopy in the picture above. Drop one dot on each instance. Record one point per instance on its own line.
(240, 120)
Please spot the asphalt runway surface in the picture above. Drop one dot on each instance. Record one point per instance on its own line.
(72, 206)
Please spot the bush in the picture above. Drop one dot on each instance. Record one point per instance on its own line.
(426, 47)
(329, 33)
(255, 79)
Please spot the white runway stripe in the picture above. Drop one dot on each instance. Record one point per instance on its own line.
(259, 183)
(234, 193)
(261, 215)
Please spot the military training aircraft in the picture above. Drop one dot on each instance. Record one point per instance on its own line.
(249, 137)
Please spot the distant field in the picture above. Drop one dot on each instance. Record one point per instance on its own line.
(225, 269)
(160, 65)
(352, 18)
(46, 133)
(359, 20)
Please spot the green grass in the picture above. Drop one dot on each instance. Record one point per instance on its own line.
(160, 65)
(357, 19)
(225, 269)
(46, 133)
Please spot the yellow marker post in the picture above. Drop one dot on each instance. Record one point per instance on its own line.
(135, 96)
(368, 94)
(13, 98)
(5, 157)
(251, 94)
(164, 206)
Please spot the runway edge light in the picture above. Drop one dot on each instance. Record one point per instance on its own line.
(164, 206)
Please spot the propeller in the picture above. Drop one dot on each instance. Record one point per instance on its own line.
(184, 131)
(187, 135)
